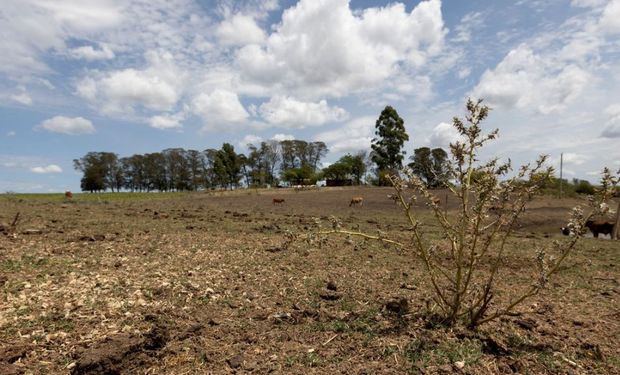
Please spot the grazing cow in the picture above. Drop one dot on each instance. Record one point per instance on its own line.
(357, 200)
(278, 200)
(68, 194)
(595, 226)
(600, 226)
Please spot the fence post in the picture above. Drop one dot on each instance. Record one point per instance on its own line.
(616, 232)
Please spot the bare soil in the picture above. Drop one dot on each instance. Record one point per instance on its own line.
(217, 283)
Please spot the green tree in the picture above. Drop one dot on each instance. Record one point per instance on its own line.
(261, 163)
(102, 171)
(228, 165)
(337, 171)
(288, 149)
(213, 170)
(93, 178)
(300, 176)
(195, 165)
(296, 154)
(432, 166)
(178, 174)
(315, 152)
(347, 167)
(584, 187)
(387, 147)
(271, 153)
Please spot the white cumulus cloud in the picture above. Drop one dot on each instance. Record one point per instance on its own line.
(283, 137)
(239, 30)
(250, 139)
(89, 53)
(610, 20)
(157, 87)
(22, 98)
(353, 136)
(442, 135)
(219, 108)
(587, 3)
(52, 168)
(525, 80)
(68, 125)
(167, 121)
(612, 129)
(31, 28)
(571, 158)
(323, 48)
(288, 112)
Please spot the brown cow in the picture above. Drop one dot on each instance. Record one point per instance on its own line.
(357, 200)
(68, 194)
(600, 226)
(595, 226)
(278, 200)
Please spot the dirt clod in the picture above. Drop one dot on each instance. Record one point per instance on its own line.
(32, 231)
(330, 295)
(9, 369)
(118, 354)
(235, 361)
(92, 238)
(495, 346)
(528, 324)
(398, 306)
(12, 353)
(332, 286)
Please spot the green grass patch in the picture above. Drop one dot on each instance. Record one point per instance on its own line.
(421, 351)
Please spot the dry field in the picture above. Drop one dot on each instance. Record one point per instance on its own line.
(226, 283)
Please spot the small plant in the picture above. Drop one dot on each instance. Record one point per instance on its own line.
(584, 187)
(463, 267)
(11, 229)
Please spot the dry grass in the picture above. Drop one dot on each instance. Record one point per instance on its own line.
(200, 283)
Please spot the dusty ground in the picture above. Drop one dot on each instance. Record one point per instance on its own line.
(206, 283)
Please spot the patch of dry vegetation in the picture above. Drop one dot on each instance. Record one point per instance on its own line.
(190, 284)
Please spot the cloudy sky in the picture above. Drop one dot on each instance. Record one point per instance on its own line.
(141, 76)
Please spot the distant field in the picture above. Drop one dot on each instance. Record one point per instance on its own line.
(91, 197)
(224, 282)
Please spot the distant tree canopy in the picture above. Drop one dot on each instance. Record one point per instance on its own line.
(387, 146)
(177, 169)
(101, 171)
(300, 160)
(432, 166)
(261, 163)
(349, 166)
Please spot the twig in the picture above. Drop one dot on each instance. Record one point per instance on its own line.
(606, 279)
(330, 340)
(360, 234)
(15, 220)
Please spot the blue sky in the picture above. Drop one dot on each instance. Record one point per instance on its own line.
(141, 76)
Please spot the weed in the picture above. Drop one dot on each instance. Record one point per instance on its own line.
(311, 359)
(463, 266)
(548, 361)
(421, 351)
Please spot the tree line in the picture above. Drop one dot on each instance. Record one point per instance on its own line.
(295, 162)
